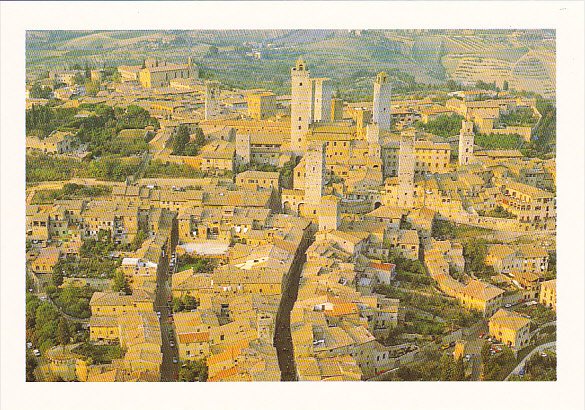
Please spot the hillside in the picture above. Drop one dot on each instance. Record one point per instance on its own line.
(524, 59)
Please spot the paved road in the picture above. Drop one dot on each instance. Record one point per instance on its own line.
(535, 331)
(537, 349)
(282, 337)
(169, 370)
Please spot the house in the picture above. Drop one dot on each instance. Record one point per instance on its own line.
(255, 180)
(58, 142)
(510, 328)
(46, 260)
(477, 295)
(385, 272)
(117, 304)
(548, 293)
(193, 346)
(103, 328)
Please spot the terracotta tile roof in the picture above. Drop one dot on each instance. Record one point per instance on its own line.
(193, 337)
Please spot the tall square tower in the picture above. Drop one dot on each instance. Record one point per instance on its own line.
(301, 106)
(314, 172)
(466, 141)
(382, 98)
(405, 196)
(211, 99)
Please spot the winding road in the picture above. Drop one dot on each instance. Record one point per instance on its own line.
(537, 349)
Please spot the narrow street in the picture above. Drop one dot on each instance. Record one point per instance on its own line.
(169, 370)
(282, 336)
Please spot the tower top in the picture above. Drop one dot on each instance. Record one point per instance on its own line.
(300, 64)
(382, 78)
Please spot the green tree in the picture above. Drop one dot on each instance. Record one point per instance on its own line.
(452, 85)
(199, 137)
(78, 79)
(446, 367)
(38, 91)
(193, 371)
(141, 235)
(31, 364)
(181, 140)
(213, 50)
(459, 373)
(87, 70)
(92, 87)
(120, 283)
(63, 335)
(443, 125)
(57, 275)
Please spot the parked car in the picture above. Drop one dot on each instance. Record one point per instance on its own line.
(36, 352)
(29, 345)
(175, 360)
(158, 314)
(508, 305)
(171, 343)
(481, 335)
(522, 371)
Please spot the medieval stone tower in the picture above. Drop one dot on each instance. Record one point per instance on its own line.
(405, 196)
(322, 93)
(466, 141)
(374, 141)
(314, 173)
(329, 213)
(211, 99)
(265, 326)
(301, 106)
(243, 149)
(382, 98)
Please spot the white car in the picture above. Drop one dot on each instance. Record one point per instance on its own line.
(508, 305)
(175, 360)
(36, 352)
